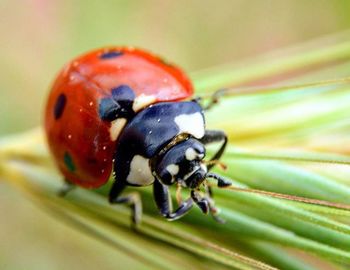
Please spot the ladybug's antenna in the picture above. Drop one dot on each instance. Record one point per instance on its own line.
(232, 91)
(292, 197)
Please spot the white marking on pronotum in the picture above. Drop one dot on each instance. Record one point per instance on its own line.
(140, 172)
(190, 154)
(173, 169)
(142, 101)
(191, 123)
(116, 127)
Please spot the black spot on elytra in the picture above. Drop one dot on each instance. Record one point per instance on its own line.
(111, 54)
(59, 106)
(118, 105)
(69, 162)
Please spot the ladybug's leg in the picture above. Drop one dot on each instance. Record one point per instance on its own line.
(132, 199)
(66, 188)
(213, 210)
(206, 204)
(222, 182)
(202, 202)
(162, 198)
(212, 136)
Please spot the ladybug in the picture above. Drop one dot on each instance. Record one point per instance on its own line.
(127, 112)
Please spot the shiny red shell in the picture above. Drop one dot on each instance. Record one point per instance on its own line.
(79, 140)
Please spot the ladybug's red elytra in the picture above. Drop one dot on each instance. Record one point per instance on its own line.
(126, 111)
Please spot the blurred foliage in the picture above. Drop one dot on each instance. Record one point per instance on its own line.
(38, 37)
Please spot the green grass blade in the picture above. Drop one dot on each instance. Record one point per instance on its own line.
(98, 207)
(273, 67)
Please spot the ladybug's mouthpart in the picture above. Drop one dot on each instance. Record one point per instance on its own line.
(197, 177)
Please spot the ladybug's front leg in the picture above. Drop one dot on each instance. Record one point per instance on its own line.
(212, 136)
(163, 201)
(133, 199)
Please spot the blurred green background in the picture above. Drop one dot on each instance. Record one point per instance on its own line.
(39, 36)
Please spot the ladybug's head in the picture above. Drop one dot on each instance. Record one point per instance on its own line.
(183, 163)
